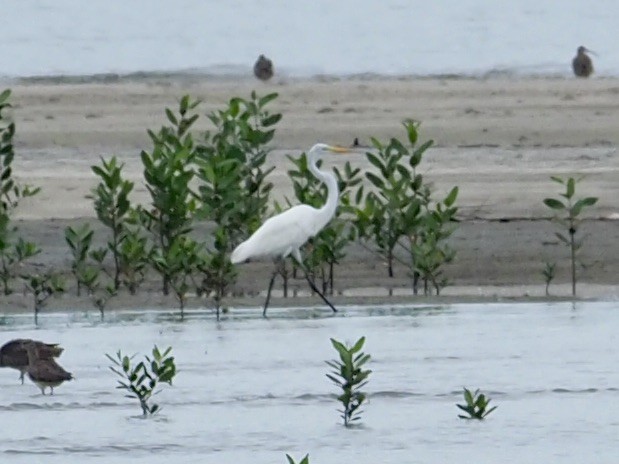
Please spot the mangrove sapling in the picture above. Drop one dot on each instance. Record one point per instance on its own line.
(476, 405)
(243, 131)
(399, 212)
(182, 261)
(349, 376)
(79, 240)
(234, 190)
(11, 193)
(140, 381)
(111, 201)
(134, 254)
(391, 210)
(567, 214)
(549, 274)
(218, 273)
(168, 173)
(222, 201)
(428, 248)
(12, 253)
(305, 460)
(42, 287)
(100, 292)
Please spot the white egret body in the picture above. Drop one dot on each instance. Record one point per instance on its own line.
(285, 233)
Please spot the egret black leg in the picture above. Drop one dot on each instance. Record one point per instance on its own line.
(313, 287)
(266, 303)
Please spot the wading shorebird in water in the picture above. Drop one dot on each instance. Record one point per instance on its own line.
(263, 68)
(285, 233)
(44, 373)
(582, 64)
(13, 354)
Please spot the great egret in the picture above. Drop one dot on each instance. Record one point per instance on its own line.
(582, 64)
(13, 354)
(263, 68)
(285, 233)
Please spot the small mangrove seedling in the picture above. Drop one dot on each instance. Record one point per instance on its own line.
(567, 214)
(549, 274)
(42, 287)
(79, 240)
(476, 405)
(12, 253)
(305, 460)
(111, 200)
(140, 381)
(350, 377)
(100, 293)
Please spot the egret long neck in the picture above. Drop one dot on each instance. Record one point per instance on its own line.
(327, 211)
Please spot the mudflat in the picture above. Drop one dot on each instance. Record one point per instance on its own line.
(499, 140)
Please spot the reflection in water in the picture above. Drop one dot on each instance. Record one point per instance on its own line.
(255, 389)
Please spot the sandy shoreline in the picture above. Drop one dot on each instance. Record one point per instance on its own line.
(499, 140)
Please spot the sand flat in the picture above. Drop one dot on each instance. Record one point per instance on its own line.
(498, 139)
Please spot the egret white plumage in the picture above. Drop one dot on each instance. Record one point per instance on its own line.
(284, 234)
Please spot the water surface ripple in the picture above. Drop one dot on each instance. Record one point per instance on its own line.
(250, 390)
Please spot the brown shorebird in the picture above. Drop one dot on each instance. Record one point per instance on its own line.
(13, 354)
(582, 64)
(44, 372)
(263, 68)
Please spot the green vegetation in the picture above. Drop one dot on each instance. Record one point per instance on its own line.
(221, 177)
(13, 249)
(567, 214)
(476, 405)
(88, 266)
(135, 255)
(111, 202)
(168, 173)
(233, 190)
(549, 274)
(349, 376)
(180, 263)
(140, 381)
(79, 240)
(305, 460)
(399, 211)
(42, 287)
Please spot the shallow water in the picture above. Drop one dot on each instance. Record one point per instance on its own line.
(56, 37)
(250, 390)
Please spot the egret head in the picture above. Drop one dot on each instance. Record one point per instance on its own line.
(321, 148)
(316, 152)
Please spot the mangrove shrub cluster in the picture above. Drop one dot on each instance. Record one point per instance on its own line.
(221, 176)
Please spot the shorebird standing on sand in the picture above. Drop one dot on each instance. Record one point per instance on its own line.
(13, 354)
(582, 64)
(263, 68)
(44, 372)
